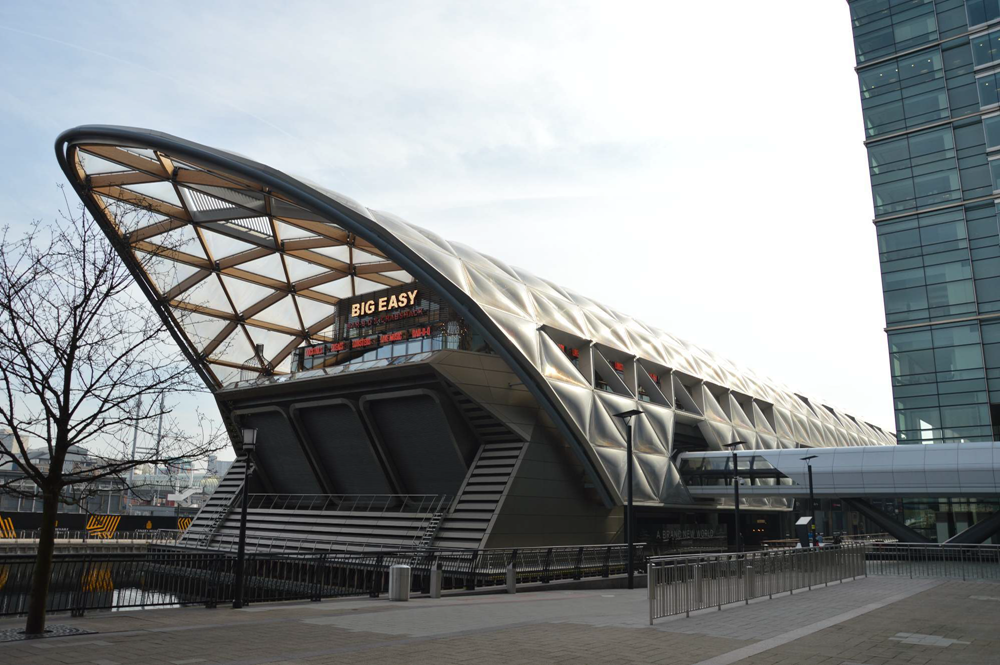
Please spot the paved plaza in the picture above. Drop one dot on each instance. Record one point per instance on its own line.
(864, 622)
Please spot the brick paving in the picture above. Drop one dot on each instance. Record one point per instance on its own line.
(866, 622)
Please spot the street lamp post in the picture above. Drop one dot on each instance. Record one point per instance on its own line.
(629, 527)
(736, 494)
(249, 443)
(812, 501)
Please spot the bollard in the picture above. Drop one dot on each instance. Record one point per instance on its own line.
(697, 585)
(511, 579)
(436, 576)
(399, 582)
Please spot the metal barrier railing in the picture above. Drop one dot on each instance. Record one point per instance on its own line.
(151, 535)
(945, 560)
(174, 577)
(366, 503)
(680, 585)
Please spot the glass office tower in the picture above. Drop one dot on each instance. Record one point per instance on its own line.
(928, 73)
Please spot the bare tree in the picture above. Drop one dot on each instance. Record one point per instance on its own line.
(80, 350)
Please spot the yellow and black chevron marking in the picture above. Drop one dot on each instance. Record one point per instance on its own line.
(7, 528)
(98, 579)
(103, 526)
(183, 523)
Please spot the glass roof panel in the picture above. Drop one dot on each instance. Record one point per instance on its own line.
(244, 293)
(200, 328)
(142, 152)
(285, 365)
(362, 285)
(93, 164)
(299, 269)
(225, 374)
(313, 311)
(182, 239)
(164, 191)
(273, 342)
(222, 246)
(282, 312)
(401, 275)
(340, 252)
(289, 232)
(268, 266)
(361, 256)
(236, 348)
(164, 272)
(340, 288)
(207, 293)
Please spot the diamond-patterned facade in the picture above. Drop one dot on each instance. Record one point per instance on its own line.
(249, 272)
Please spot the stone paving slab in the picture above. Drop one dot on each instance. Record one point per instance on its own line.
(868, 622)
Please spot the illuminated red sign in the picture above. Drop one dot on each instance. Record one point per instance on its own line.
(391, 337)
(314, 351)
(337, 346)
(618, 366)
(362, 342)
(420, 332)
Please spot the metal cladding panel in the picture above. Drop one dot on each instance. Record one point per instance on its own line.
(267, 255)
(975, 464)
(280, 453)
(944, 462)
(337, 435)
(416, 434)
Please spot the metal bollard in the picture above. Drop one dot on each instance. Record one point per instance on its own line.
(436, 575)
(697, 586)
(511, 579)
(399, 582)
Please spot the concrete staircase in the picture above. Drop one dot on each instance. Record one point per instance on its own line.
(217, 509)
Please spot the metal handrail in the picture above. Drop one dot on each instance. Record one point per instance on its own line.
(176, 576)
(153, 535)
(383, 503)
(685, 583)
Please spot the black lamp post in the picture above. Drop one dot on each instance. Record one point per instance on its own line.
(629, 527)
(736, 494)
(249, 443)
(812, 501)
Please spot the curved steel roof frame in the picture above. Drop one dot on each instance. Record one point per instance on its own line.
(210, 194)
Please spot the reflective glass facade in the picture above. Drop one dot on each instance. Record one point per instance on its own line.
(928, 72)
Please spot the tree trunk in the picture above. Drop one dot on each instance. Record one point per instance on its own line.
(43, 565)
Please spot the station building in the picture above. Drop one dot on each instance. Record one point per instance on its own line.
(409, 389)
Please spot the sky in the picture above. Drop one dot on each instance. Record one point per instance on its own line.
(702, 172)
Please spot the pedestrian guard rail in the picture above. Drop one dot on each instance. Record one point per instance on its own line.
(683, 584)
(173, 577)
(151, 535)
(948, 561)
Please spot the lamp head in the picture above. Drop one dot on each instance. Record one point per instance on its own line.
(734, 444)
(249, 439)
(806, 459)
(628, 414)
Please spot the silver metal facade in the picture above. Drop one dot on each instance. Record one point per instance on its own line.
(287, 250)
